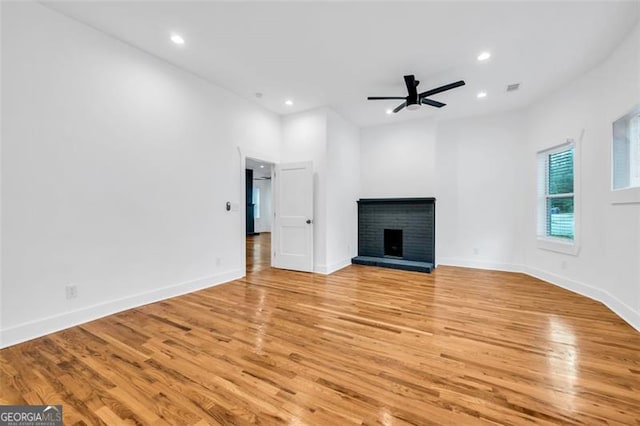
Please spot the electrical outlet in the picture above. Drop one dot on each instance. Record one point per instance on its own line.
(476, 250)
(71, 291)
(218, 261)
(563, 264)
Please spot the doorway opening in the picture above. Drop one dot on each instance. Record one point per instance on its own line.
(259, 214)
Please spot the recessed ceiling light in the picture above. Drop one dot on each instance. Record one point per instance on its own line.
(177, 39)
(262, 166)
(482, 95)
(288, 102)
(389, 111)
(484, 56)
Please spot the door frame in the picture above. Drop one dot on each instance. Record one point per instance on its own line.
(261, 156)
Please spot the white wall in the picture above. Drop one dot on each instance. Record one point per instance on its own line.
(478, 191)
(116, 168)
(304, 138)
(332, 143)
(470, 165)
(398, 160)
(343, 188)
(263, 224)
(607, 266)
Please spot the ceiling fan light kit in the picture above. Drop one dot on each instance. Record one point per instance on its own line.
(414, 99)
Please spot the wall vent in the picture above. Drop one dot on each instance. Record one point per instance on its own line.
(513, 87)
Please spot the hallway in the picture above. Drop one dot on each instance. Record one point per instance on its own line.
(258, 249)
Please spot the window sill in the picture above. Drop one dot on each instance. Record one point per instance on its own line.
(625, 196)
(558, 245)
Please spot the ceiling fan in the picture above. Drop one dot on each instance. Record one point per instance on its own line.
(415, 99)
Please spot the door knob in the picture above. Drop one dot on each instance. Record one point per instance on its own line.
(309, 221)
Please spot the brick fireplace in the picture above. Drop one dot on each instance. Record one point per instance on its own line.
(397, 233)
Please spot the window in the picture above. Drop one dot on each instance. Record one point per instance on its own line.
(634, 150)
(556, 195)
(626, 151)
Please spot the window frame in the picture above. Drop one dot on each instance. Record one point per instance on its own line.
(630, 194)
(634, 154)
(551, 243)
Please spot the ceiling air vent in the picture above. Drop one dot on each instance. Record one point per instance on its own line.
(513, 87)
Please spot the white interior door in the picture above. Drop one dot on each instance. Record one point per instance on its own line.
(293, 216)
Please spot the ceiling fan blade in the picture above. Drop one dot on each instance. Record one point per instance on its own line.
(410, 81)
(375, 98)
(432, 103)
(399, 107)
(442, 88)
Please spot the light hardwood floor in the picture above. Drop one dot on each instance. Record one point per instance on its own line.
(362, 346)
(258, 252)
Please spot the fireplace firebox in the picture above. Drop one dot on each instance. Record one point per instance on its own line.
(393, 243)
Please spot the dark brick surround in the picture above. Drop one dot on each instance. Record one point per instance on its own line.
(414, 216)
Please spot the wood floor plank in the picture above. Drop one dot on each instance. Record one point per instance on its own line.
(363, 346)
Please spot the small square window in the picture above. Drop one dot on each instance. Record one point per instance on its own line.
(626, 151)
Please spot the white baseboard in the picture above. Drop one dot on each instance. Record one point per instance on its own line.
(624, 311)
(566, 283)
(333, 267)
(477, 264)
(43, 326)
(620, 308)
(33, 329)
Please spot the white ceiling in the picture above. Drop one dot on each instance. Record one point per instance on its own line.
(338, 53)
